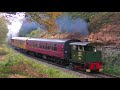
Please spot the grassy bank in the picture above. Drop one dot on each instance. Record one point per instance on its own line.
(15, 65)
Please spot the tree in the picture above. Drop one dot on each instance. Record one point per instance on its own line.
(46, 18)
(34, 34)
(27, 27)
(83, 15)
(3, 29)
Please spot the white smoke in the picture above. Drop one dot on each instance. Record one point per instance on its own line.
(15, 24)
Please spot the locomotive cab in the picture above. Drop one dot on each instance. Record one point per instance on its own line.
(86, 56)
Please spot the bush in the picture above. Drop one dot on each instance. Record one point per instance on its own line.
(112, 64)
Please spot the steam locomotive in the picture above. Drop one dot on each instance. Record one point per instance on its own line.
(69, 52)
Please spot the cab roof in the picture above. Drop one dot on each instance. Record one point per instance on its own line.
(80, 43)
(86, 43)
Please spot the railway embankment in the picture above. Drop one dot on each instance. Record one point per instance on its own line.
(16, 65)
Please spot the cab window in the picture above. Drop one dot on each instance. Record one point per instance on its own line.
(80, 48)
(77, 48)
(89, 48)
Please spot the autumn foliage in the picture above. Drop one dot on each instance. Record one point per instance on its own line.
(108, 35)
(49, 21)
(104, 27)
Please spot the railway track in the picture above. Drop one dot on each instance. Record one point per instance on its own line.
(70, 70)
(98, 74)
(105, 75)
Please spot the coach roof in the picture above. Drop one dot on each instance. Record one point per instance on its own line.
(20, 38)
(49, 40)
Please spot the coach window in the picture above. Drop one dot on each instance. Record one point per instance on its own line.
(49, 47)
(55, 47)
(62, 49)
(52, 48)
(34, 44)
(46, 46)
(39, 45)
(43, 46)
(30, 44)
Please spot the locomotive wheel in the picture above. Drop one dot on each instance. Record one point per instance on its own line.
(44, 57)
(71, 66)
(57, 61)
(31, 53)
(88, 70)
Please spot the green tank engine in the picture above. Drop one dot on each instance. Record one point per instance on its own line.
(85, 56)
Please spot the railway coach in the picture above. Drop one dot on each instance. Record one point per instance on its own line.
(19, 43)
(54, 49)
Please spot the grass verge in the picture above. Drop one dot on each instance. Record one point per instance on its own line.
(15, 65)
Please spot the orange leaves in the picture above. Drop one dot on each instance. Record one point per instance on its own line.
(108, 35)
(46, 18)
(50, 21)
(64, 36)
(54, 15)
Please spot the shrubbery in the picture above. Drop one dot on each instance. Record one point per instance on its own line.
(111, 61)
